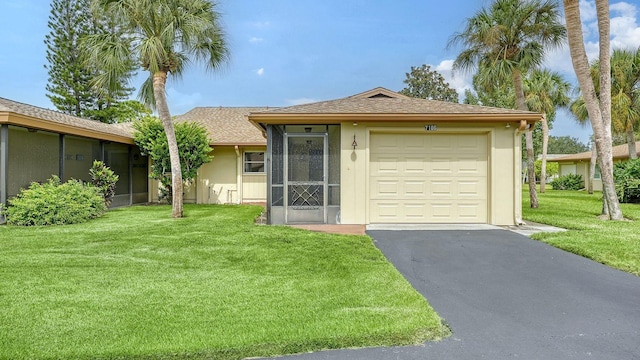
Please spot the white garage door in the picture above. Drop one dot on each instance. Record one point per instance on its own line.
(425, 178)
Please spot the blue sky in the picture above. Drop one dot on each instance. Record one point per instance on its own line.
(286, 52)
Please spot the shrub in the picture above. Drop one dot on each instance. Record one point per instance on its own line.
(568, 182)
(626, 175)
(104, 179)
(55, 203)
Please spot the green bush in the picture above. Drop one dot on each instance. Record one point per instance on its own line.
(568, 182)
(55, 203)
(104, 179)
(626, 175)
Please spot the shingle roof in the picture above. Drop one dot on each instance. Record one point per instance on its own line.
(376, 104)
(49, 119)
(227, 125)
(619, 152)
(381, 105)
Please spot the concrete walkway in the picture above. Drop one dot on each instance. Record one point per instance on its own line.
(506, 296)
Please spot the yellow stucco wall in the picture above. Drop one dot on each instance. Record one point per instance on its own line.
(218, 181)
(579, 168)
(504, 198)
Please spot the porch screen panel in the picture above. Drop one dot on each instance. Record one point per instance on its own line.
(140, 174)
(79, 156)
(33, 156)
(277, 166)
(116, 156)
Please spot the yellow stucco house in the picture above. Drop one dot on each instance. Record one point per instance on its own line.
(580, 164)
(372, 158)
(381, 157)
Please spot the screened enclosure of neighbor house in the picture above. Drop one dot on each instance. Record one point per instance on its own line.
(303, 174)
(31, 155)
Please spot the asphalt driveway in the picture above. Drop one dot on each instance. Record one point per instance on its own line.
(506, 296)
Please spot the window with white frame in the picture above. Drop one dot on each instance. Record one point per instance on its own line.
(254, 162)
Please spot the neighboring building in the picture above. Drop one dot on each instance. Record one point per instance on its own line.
(34, 138)
(579, 164)
(382, 157)
(36, 143)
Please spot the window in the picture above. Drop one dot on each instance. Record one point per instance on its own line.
(254, 162)
(596, 174)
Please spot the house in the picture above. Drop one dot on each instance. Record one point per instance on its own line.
(36, 143)
(579, 164)
(382, 157)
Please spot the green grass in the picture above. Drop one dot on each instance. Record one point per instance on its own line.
(614, 243)
(136, 284)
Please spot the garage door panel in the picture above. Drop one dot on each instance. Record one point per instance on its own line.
(419, 178)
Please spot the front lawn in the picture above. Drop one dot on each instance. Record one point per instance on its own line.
(138, 284)
(614, 243)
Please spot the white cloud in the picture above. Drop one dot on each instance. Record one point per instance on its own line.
(625, 32)
(459, 80)
(256, 40)
(300, 101)
(260, 71)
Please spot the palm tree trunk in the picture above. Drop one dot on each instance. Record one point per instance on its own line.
(602, 136)
(531, 173)
(159, 83)
(631, 142)
(592, 168)
(545, 144)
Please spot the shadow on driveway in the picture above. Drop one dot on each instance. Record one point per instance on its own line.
(506, 296)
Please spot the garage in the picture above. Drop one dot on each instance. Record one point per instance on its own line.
(391, 159)
(428, 178)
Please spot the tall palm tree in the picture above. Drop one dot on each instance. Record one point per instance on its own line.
(510, 39)
(546, 90)
(165, 35)
(599, 110)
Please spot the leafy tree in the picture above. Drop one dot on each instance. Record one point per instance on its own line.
(553, 168)
(424, 83)
(70, 86)
(598, 109)
(544, 91)
(508, 40)
(166, 33)
(566, 145)
(120, 112)
(193, 149)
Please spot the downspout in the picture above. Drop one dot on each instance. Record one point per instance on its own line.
(238, 174)
(517, 164)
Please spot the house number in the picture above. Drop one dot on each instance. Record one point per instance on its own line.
(431, 127)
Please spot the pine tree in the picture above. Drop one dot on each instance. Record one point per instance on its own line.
(71, 87)
(69, 83)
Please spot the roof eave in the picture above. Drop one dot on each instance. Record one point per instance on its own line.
(244, 144)
(16, 119)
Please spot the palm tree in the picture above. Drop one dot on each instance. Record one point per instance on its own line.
(544, 91)
(510, 39)
(625, 95)
(165, 35)
(599, 110)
